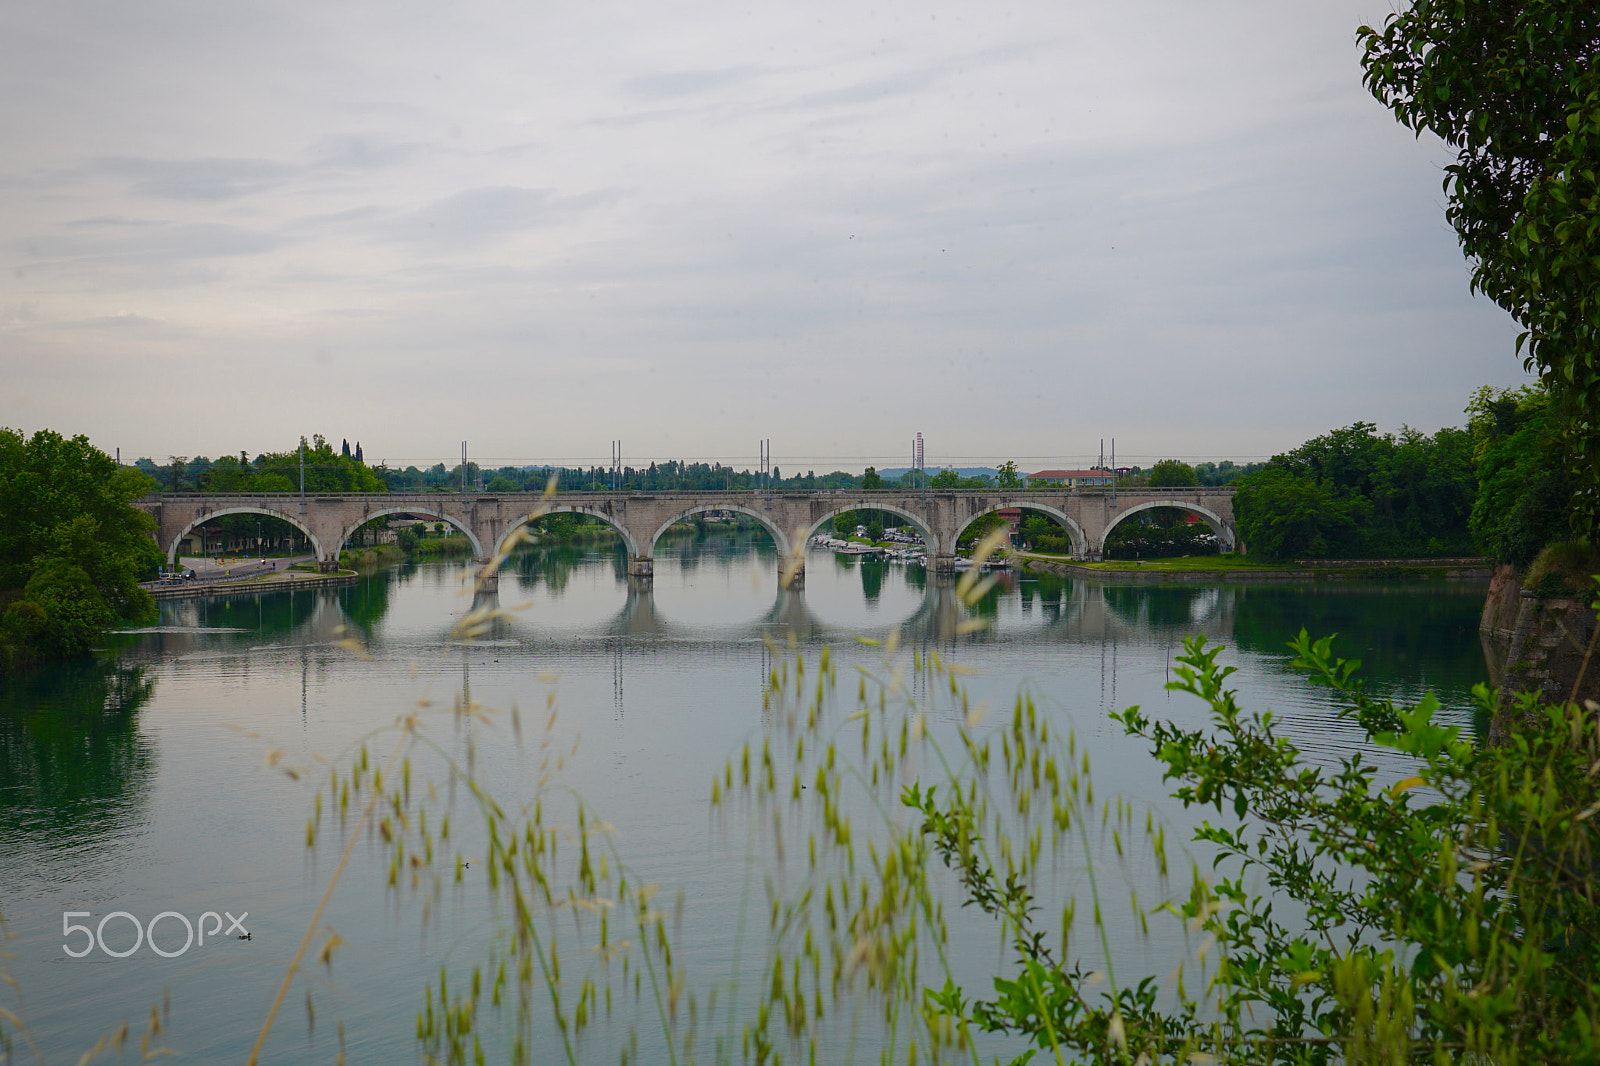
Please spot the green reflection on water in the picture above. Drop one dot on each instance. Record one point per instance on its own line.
(1155, 606)
(367, 601)
(70, 749)
(1401, 630)
(872, 580)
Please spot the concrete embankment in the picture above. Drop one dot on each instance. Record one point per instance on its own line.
(1339, 570)
(279, 582)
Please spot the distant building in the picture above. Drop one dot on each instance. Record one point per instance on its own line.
(1070, 479)
(1012, 517)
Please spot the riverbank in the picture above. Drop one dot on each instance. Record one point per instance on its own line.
(1213, 569)
(267, 582)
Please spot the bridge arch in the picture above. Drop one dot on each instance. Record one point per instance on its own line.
(926, 531)
(1078, 540)
(1219, 525)
(315, 541)
(433, 512)
(779, 537)
(586, 509)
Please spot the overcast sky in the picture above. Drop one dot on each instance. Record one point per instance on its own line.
(1018, 228)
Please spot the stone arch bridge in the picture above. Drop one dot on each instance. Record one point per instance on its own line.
(488, 519)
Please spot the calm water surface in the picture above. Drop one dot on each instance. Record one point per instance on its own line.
(141, 783)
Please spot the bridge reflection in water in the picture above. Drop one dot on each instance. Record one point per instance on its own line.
(1081, 613)
(588, 617)
(1071, 612)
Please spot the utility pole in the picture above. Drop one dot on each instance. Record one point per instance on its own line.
(1113, 472)
(302, 475)
(616, 466)
(920, 463)
(463, 468)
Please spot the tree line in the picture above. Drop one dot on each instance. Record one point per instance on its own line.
(1498, 488)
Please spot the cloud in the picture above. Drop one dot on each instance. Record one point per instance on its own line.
(166, 242)
(362, 153)
(483, 215)
(816, 223)
(690, 82)
(205, 180)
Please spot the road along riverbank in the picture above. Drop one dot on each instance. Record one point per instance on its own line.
(1330, 570)
(261, 582)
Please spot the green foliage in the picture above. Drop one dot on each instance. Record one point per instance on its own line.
(1448, 916)
(1524, 491)
(1157, 539)
(1514, 87)
(72, 548)
(1170, 473)
(1355, 493)
(1469, 929)
(326, 470)
(871, 479)
(1008, 477)
(1284, 516)
(947, 480)
(1562, 569)
(981, 527)
(669, 476)
(568, 526)
(69, 599)
(1041, 534)
(1223, 473)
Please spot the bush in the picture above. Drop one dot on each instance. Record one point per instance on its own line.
(74, 613)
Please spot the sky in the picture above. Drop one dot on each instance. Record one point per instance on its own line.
(1020, 229)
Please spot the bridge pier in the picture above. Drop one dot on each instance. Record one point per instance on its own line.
(943, 564)
(641, 573)
(797, 579)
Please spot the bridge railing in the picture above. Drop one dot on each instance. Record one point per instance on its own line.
(606, 494)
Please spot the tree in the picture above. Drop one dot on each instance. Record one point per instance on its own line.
(1355, 492)
(1283, 515)
(871, 479)
(1523, 497)
(1514, 87)
(325, 469)
(1007, 476)
(1170, 473)
(177, 469)
(71, 544)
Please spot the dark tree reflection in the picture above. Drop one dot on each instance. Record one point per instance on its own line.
(70, 749)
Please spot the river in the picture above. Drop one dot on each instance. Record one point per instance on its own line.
(152, 779)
